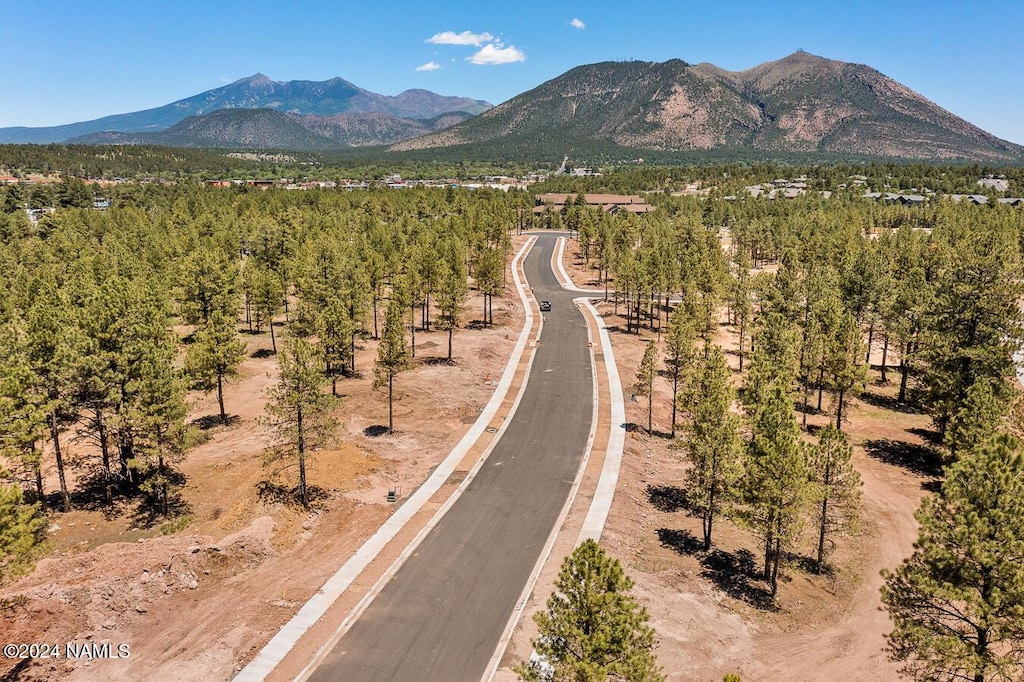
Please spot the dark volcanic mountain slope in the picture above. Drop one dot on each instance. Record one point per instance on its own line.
(268, 129)
(323, 98)
(360, 130)
(228, 129)
(802, 103)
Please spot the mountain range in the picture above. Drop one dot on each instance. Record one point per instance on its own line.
(801, 104)
(328, 98)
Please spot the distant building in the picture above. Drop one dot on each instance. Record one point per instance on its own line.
(894, 198)
(610, 203)
(997, 182)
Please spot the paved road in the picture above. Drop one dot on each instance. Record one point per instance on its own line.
(441, 616)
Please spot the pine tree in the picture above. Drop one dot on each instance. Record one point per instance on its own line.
(835, 489)
(975, 320)
(679, 353)
(593, 628)
(23, 406)
(978, 417)
(775, 485)
(392, 355)
(299, 410)
(742, 307)
(51, 345)
(208, 282)
(335, 329)
(847, 373)
(215, 355)
(712, 442)
(451, 294)
(22, 532)
(156, 415)
(957, 602)
(489, 273)
(645, 374)
(268, 293)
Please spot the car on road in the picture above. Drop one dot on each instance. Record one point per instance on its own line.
(545, 306)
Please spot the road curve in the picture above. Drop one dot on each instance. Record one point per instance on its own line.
(442, 614)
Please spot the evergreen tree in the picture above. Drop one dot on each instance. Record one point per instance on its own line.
(300, 411)
(775, 485)
(835, 489)
(207, 282)
(23, 408)
(773, 361)
(645, 374)
(51, 336)
(451, 295)
(742, 308)
(267, 297)
(847, 373)
(392, 355)
(335, 329)
(957, 602)
(980, 415)
(593, 629)
(975, 320)
(22, 532)
(679, 353)
(156, 416)
(215, 355)
(712, 442)
(489, 272)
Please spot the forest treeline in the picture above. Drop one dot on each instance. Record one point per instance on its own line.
(623, 170)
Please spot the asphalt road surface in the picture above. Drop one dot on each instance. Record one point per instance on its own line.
(442, 614)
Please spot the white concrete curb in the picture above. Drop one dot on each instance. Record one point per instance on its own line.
(278, 647)
(593, 525)
(566, 280)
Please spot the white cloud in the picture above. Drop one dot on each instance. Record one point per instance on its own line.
(429, 66)
(464, 38)
(576, 23)
(492, 54)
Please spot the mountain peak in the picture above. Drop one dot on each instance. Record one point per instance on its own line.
(803, 55)
(257, 79)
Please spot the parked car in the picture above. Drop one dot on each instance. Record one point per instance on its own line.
(545, 306)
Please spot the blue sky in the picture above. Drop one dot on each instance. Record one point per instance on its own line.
(72, 60)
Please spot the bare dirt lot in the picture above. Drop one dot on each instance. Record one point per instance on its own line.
(197, 596)
(711, 610)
